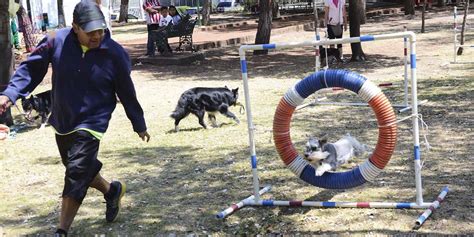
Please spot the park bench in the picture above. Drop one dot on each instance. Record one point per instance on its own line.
(184, 30)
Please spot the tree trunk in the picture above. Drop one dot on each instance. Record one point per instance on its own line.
(466, 7)
(316, 17)
(363, 17)
(206, 12)
(275, 10)
(409, 7)
(441, 3)
(354, 29)
(264, 29)
(61, 20)
(26, 27)
(423, 17)
(123, 11)
(6, 54)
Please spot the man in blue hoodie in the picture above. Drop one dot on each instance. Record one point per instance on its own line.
(88, 70)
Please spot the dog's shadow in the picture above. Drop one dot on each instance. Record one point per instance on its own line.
(201, 128)
(185, 130)
(23, 126)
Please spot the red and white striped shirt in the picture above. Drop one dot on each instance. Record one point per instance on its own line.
(151, 18)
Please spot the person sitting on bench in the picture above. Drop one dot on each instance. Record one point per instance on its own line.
(174, 14)
(171, 30)
(161, 35)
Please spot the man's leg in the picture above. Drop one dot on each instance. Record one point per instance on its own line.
(330, 35)
(149, 43)
(339, 46)
(100, 184)
(113, 193)
(69, 209)
(79, 155)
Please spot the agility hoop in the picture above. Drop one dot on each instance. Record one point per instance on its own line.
(370, 93)
(368, 170)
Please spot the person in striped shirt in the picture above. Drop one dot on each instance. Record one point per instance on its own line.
(153, 16)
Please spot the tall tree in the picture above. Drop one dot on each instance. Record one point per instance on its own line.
(423, 17)
(6, 54)
(466, 8)
(363, 16)
(275, 9)
(61, 20)
(123, 11)
(409, 7)
(264, 29)
(355, 16)
(206, 12)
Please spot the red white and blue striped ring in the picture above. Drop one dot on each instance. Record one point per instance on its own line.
(372, 94)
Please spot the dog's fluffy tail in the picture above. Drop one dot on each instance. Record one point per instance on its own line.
(180, 110)
(359, 148)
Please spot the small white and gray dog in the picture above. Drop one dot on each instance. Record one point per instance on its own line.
(329, 156)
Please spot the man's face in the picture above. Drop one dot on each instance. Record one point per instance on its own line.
(91, 39)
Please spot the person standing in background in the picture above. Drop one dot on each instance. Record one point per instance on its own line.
(26, 27)
(12, 10)
(15, 38)
(153, 16)
(335, 18)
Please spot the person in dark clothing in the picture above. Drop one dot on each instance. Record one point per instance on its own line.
(89, 69)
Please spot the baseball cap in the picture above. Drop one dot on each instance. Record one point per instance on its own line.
(88, 16)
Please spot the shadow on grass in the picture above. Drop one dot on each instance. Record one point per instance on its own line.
(223, 65)
(174, 190)
(179, 189)
(22, 125)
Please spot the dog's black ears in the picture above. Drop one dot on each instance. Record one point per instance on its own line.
(236, 90)
(323, 140)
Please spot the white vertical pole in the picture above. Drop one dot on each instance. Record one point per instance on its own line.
(455, 28)
(416, 132)
(405, 64)
(251, 127)
(316, 31)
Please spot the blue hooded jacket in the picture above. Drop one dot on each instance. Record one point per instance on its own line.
(83, 84)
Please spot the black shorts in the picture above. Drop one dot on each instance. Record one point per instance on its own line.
(79, 155)
(331, 35)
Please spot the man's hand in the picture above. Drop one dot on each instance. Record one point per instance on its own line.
(144, 136)
(4, 104)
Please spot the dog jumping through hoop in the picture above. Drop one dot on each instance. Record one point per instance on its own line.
(326, 156)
